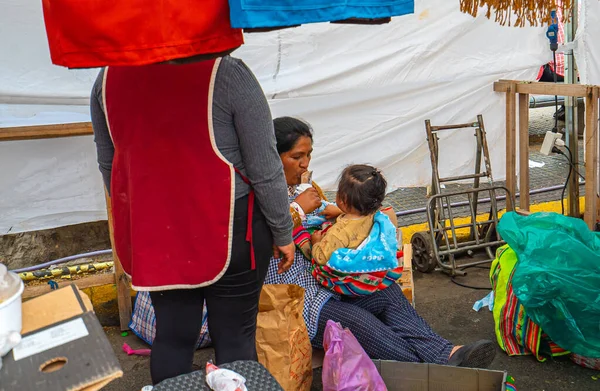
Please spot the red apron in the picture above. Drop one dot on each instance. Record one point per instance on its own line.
(172, 191)
(96, 33)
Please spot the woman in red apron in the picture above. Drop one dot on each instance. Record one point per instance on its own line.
(187, 152)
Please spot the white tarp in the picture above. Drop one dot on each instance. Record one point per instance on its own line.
(587, 49)
(366, 90)
(587, 45)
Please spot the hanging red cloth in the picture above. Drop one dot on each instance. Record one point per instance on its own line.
(96, 33)
(172, 191)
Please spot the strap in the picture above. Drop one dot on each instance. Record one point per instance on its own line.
(250, 218)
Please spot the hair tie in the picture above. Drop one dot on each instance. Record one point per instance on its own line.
(374, 172)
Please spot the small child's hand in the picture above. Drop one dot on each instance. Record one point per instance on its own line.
(331, 212)
(316, 237)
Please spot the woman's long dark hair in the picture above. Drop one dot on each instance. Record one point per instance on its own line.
(288, 131)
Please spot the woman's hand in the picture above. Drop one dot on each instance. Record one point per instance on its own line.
(309, 200)
(316, 237)
(331, 212)
(286, 253)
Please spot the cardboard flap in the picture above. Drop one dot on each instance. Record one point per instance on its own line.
(403, 376)
(74, 355)
(54, 307)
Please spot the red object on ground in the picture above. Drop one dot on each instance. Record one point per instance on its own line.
(139, 352)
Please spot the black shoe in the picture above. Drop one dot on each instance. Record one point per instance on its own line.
(476, 355)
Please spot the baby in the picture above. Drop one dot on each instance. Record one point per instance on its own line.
(361, 247)
(317, 219)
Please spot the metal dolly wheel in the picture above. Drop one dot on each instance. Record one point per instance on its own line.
(439, 245)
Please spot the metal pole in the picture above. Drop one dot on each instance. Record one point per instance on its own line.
(572, 114)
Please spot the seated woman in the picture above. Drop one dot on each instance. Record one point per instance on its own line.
(358, 254)
(384, 322)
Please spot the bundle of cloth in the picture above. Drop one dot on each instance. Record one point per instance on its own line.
(372, 266)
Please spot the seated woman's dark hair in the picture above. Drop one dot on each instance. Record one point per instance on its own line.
(288, 131)
(362, 187)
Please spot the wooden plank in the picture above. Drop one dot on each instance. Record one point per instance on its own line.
(45, 131)
(511, 146)
(591, 156)
(407, 282)
(122, 281)
(524, 151)
(539, 88)
(82, 283)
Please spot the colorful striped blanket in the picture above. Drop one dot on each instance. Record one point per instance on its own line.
(372, 266)
(354, 284)
(516, 333)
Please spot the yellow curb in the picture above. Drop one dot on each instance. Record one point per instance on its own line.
(551, 206)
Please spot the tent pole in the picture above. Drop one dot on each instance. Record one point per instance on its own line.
(572, 114)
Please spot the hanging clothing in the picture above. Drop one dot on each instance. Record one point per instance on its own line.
(88, 34)
(285, 13)
(174, 225)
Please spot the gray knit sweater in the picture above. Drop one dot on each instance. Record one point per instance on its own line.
(244, 134)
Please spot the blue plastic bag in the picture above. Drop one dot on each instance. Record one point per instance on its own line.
(557, 277)
(284, 13)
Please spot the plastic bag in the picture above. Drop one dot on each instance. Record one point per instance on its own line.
(557, 277)
(7, 342)
(224, 379)
(8, 285)
(346, 366)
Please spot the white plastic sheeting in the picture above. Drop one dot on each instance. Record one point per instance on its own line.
(26, 74)
(49, 183)
(587, 45)
(366, 90)
(587, 49)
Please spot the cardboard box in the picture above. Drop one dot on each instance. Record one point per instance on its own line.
(64, 347)
(401, 376)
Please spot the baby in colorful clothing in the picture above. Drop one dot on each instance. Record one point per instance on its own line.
(358, 254)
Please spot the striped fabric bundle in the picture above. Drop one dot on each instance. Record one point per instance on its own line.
(143, 321)
(354, 284)
(516, 333)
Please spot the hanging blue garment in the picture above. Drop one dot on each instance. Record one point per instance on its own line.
(285, 13)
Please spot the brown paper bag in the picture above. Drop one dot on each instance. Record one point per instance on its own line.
(282, 339)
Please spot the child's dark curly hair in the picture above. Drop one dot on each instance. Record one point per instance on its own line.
(362, 187)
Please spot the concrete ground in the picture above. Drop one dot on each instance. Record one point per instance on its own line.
(448, 309)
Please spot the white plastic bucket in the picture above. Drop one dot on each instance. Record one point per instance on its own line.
(10, 309)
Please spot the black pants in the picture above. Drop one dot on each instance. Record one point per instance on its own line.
(232, 304)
